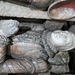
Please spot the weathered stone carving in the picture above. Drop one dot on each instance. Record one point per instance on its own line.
(60, 62)
(41, 44)
(54, 25)
(20, 65)
(3, 43)
(7, 28)
(32, 49)
(24, 66)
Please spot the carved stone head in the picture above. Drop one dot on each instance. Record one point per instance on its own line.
(62, 40)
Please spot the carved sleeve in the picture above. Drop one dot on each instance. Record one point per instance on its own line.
(24, 66)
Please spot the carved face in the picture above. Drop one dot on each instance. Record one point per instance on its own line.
(63, 40)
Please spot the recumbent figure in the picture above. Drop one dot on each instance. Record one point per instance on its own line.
(33, 49)
(44, 44)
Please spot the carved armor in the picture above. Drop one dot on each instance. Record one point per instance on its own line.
(41, 44)
(30, 65)
(32, 49)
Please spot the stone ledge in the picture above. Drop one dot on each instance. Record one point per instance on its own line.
(12, 10)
